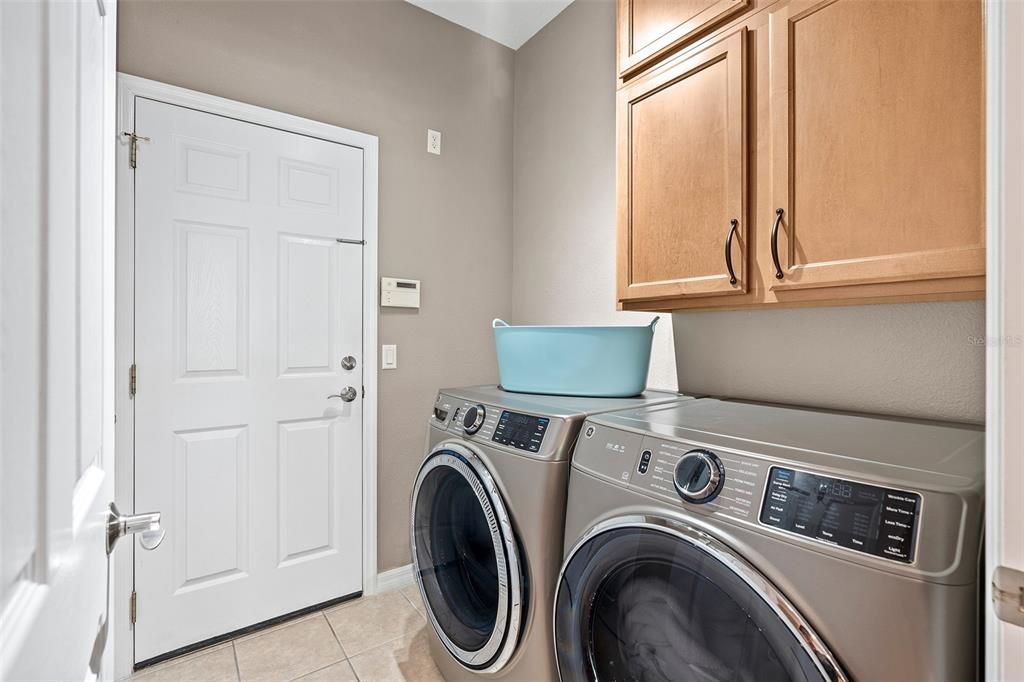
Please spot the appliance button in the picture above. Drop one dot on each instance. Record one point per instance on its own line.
(473, 419)
(699, 476)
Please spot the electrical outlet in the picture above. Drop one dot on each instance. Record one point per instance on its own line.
(433, 142)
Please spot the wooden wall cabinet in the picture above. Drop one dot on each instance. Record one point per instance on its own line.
(649, 30)
(877, 129)
(863, 159)
(682, 177)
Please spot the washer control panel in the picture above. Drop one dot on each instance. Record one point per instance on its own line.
(536, 435)
(520, 431)
(858, 516)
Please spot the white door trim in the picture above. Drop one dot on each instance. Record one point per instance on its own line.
(128, 88)
(1004, 325)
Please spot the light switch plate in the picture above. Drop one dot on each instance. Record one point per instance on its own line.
(389, 356)
(433, 142)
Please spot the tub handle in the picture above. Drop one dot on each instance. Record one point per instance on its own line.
(499, 323)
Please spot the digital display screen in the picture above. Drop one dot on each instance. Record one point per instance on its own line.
(858, 516)
(522, 431)
(405, 285)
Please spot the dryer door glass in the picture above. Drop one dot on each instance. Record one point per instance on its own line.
(461, 559)
(636, 603)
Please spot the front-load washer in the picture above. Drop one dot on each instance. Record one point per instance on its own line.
(488, 513)
(723, 540)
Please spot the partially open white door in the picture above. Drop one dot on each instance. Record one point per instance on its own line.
(248, 346)
(56, 411)
(1004, 532)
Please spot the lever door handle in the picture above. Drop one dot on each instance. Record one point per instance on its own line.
(147, 525)
(348, 394)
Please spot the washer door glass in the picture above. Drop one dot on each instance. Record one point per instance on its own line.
(636, 603)
(461, 559)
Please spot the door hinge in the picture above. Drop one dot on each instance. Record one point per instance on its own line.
(364, 391)
(133, 607)
(1008, 595)
(132, 380)
(133, 147)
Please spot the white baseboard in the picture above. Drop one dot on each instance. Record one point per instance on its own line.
(394, 579)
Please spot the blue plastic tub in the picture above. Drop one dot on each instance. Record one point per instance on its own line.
(598, 362)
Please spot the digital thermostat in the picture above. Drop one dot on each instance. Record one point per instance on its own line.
(399, 293)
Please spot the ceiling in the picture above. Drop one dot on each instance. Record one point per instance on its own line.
(509, 22)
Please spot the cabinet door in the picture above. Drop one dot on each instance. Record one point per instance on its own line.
(681, 177)
(877, 141)
(648, 30)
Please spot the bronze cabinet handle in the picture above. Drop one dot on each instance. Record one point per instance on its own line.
(733, 225)
(775, 243)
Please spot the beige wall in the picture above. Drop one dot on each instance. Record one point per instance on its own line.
(523, 230)
(563, 266)
(916, 360)
(390, 69)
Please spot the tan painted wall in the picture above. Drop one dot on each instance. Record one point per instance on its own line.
(917, 360)
(387, 68)
(563, 266)
(390, 69)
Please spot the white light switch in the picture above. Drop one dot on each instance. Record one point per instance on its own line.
(389, 356)
(433, 142)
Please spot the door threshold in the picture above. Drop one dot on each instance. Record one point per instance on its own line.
(241, 632)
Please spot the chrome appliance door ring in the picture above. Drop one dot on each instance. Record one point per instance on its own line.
(498, 649)
(823, 659)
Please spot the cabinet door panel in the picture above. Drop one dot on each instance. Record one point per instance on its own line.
(877, 141)
(649, 30)
(682, 176)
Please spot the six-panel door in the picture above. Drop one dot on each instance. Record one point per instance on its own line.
(877, 142)
(682, 178)
(246, 304)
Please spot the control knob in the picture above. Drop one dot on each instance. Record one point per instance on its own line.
(473, 419)
(699, 476)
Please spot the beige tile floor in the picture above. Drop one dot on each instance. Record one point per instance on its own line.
(375, 639)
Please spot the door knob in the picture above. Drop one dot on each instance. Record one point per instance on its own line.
(348, 394)
(348, 362)
(119, 525)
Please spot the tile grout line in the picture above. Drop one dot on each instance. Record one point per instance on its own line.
(341, 646)
(412, 603)
(238, 670)
(344, 653)
(344, 660)
(380, 644)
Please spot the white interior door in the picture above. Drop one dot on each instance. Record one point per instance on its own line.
(56, 406)
(246, 308)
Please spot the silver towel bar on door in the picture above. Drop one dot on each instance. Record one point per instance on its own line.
(342, 240)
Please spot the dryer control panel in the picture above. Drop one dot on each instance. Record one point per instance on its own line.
(878, 521)
(858, 516)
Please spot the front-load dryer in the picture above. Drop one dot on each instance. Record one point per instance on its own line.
(721, 540)
(488, 513)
